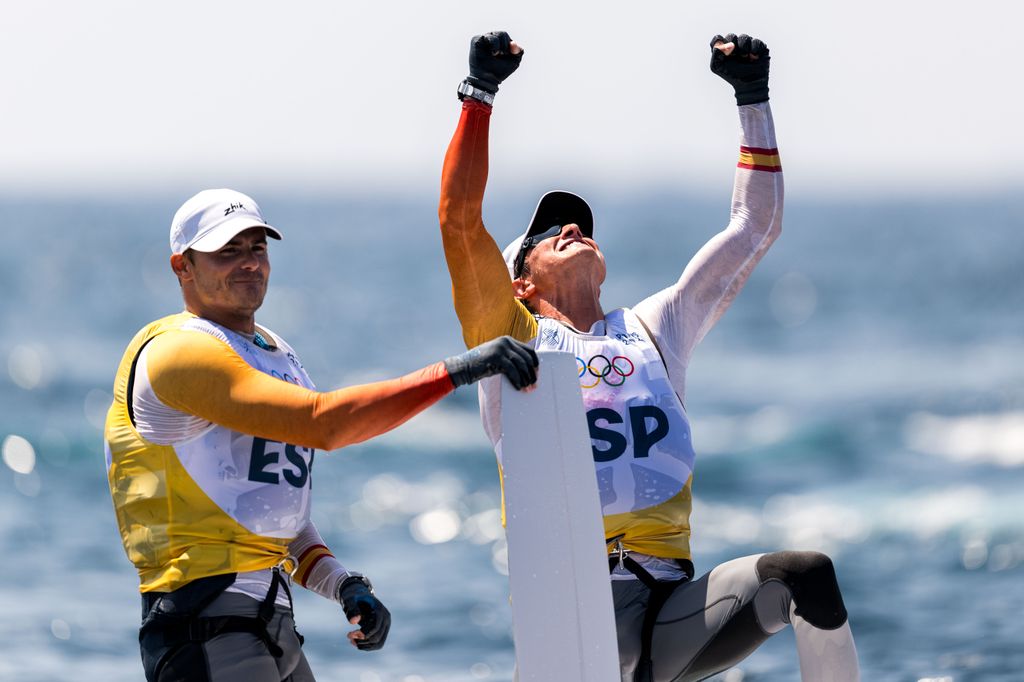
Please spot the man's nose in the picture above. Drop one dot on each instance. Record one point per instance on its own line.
(251, 260)
(572, 230)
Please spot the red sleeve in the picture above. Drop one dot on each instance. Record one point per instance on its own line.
(481, 285)
(198, 374)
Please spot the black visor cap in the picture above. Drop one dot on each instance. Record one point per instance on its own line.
(561, 208)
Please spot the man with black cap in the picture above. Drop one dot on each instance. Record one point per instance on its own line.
(545, 289)
(210, 444)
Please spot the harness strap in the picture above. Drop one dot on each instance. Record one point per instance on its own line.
(266, 612)
(196, 628)
(279, 579)
(206, 628)
(660, 591)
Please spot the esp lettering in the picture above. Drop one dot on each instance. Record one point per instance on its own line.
(640, 417)
(263, 456)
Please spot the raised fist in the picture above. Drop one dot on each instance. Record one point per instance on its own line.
(492, 58)
(743, 62)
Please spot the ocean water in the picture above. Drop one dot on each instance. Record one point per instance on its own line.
(863, 397)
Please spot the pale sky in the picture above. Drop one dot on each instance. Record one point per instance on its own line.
(106, 96)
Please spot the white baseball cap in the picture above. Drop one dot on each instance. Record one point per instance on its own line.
(210, 219)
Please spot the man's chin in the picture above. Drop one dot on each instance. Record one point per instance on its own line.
(250, 304)
(583, 260)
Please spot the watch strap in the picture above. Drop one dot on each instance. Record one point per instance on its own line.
(466, 89)
(349, 577)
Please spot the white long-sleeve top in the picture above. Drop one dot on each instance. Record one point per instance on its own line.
(680, 315)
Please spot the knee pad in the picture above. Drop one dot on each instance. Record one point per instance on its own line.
(811, 578)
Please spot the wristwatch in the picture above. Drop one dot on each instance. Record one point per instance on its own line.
(467, 90)
(350, 578)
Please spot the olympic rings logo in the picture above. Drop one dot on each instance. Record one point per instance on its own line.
(285, 377)
(613, 372)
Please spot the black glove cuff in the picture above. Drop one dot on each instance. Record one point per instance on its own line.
(752, 96)
(351, 582)
(483, 84)
(458, 367)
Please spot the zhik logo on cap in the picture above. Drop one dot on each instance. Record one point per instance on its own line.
(211, 218)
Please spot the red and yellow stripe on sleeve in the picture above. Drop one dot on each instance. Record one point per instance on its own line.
(308, 561)
(758, 158)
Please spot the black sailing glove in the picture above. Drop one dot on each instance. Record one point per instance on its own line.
(491, 60)
(357, 598)
(503, 355)
(745, 68)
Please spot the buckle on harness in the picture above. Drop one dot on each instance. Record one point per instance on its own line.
(617, 549)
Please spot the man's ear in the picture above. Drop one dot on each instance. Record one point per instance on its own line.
(522, 288)
(181, 266)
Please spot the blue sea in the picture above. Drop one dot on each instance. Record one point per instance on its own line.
(864, 397)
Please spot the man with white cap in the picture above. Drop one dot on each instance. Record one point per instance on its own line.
(545, 289)
(210, 443)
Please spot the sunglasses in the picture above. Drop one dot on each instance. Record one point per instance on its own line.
(531, 242)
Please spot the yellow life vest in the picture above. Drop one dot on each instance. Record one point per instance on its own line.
(221, 502)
